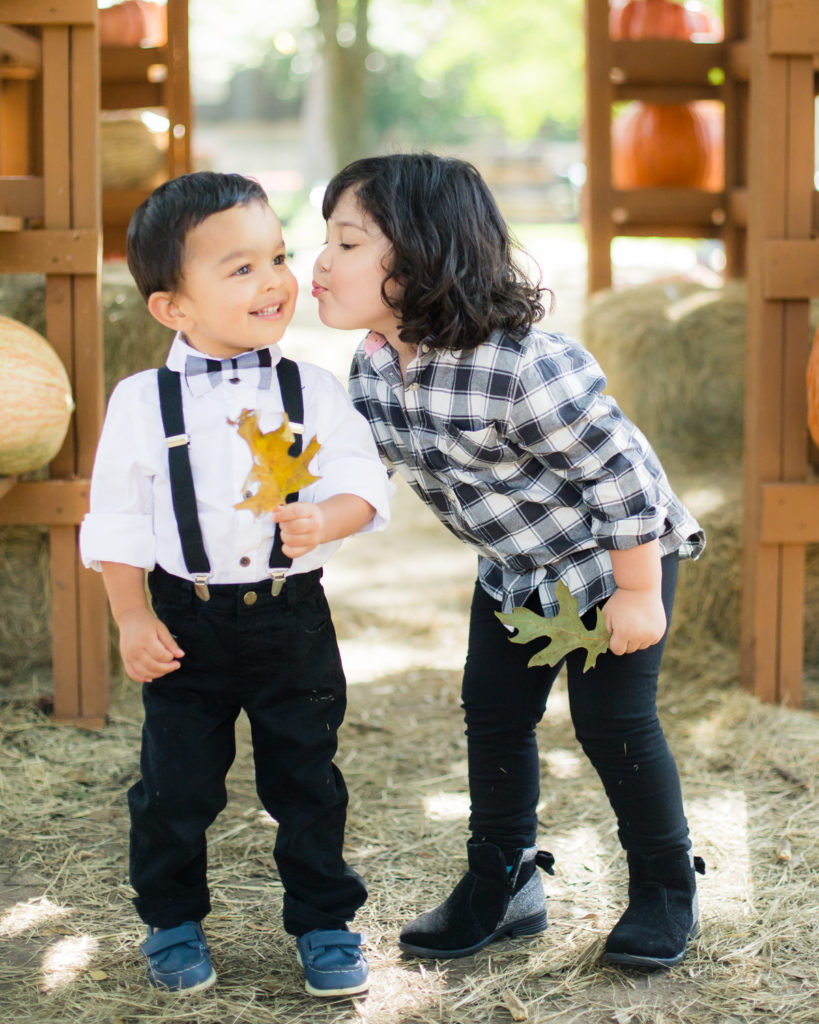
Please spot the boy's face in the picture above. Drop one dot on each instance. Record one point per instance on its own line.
(350, 270)
(237, 292)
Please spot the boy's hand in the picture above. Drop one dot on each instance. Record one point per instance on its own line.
(635, 619)
(148, 649)
(302, 525)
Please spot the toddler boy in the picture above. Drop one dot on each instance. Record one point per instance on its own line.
(239, 620)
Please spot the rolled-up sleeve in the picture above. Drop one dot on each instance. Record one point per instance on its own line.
(119, 525)
(561, 416)
(348, 461)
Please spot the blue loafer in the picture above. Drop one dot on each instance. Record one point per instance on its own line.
(179, 958)
(333, 963)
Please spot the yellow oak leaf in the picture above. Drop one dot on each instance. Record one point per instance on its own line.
(276, 472)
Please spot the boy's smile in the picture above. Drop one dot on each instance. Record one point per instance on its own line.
(237, 292)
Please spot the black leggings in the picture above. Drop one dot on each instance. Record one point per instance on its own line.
(614, 712)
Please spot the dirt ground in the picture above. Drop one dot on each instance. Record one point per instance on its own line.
(69, 937)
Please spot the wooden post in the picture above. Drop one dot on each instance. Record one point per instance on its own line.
(597, 198)
(783, 274)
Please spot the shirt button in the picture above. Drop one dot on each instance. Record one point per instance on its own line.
(250, 598)
(415, 386)
(424, 349)
(244, 560)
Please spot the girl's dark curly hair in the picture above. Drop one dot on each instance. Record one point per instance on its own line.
(451, 249)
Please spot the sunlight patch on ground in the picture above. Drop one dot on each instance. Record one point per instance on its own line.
(720, 822)
(365, 662)
(66, 960)
(562, 764)
(446, 806)
(24, 916)
(580, 853)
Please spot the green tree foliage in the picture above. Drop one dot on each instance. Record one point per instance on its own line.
(523, 61)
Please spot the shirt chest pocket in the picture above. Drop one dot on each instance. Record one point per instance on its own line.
(473, 448)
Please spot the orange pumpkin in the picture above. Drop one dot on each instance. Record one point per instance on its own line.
(663, 19)
(35, 396)
(133, 23)
(660, 145)
(813, 390)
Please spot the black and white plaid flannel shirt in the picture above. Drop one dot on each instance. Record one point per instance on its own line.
(520, 454)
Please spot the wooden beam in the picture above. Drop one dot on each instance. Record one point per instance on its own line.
(50, 502)
(126, 95)
(666, 61)
(596, 198)
(791, 269)
(69, 251)
(21, 196)
(178, 90)
(50, 12)
(672, 94)
(739, 59)
(790, 513)
(132, 63)
(659, 206)
(7, 483)
(793, 27)
(20, 49)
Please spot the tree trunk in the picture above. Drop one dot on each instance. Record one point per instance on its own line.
(346, 82)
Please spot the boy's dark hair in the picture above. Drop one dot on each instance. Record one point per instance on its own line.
(155, 243)
(452, 253)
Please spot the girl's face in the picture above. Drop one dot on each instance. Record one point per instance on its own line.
(350, 270)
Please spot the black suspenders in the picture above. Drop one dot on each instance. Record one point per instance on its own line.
(179, 465)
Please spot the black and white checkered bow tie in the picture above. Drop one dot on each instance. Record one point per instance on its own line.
(254, 368)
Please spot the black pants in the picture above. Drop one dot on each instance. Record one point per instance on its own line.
(614, 713)
(276, 658)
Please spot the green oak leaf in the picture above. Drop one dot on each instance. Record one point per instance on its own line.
(564, 630)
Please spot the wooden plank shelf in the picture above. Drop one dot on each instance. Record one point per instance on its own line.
(49, 202)
(48, 502)
(157, 78)
(662, 71)
(61, 251)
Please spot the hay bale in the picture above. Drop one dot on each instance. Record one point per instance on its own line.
(131, 155)
(132, 341)
(25, 625)
(673, 353)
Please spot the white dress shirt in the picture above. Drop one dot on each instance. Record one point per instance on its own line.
(131, 518)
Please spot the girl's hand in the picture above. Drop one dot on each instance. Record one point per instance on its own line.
(148, 649)
(302, 525)
(635, 619)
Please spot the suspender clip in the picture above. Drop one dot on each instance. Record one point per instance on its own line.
(177, 440)
(200, 587)
(277, 578)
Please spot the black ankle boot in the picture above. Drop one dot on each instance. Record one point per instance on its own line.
(488, 903)
(662, 911)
